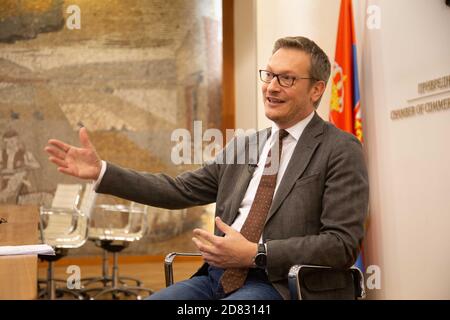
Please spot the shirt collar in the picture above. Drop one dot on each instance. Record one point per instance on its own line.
(297, 129)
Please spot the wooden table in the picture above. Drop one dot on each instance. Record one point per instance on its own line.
(18, 273)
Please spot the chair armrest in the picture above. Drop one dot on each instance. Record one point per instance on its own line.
(168, 264)
(358, 277)
(295, 279)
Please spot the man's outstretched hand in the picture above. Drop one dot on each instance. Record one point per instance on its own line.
(81, 162)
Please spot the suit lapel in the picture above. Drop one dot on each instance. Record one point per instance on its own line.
(305, 148)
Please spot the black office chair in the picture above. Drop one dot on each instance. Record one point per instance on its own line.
(168, 264)
(306, 282)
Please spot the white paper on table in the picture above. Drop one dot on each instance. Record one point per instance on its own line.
(43, 249)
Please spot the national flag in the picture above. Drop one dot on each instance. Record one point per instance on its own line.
(345, 109)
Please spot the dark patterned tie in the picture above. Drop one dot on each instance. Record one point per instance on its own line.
(233, 278)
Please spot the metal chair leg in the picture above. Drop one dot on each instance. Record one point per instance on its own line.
(51, 285)
(116, 287)
(132, 291)
(105, 278)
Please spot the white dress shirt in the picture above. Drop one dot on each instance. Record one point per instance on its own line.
(289, 144)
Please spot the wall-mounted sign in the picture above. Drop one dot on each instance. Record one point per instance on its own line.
(426, 89)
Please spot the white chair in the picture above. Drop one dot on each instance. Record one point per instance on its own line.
(65, 226)
(113, 238)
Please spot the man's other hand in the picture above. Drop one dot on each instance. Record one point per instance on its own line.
(231, 251)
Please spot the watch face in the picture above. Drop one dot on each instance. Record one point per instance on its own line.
(260, 260)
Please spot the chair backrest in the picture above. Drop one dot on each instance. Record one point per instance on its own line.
(57, 219)
(88, 200)
(67, 196)
(67, 221)
(134, 228)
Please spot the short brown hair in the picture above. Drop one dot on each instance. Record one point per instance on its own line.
(320, 64)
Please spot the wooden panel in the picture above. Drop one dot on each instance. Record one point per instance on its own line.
(18, 277)
(228, 99)
(18, 274)
(21, 226)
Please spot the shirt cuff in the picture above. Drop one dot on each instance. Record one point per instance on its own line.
(100, 176)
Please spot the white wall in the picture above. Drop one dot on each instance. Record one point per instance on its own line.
(409, 159)
(314, 19)
(258, 23)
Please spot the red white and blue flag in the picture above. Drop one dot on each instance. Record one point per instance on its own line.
(345, 109)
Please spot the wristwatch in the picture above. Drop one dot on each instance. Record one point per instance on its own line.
(260, 260)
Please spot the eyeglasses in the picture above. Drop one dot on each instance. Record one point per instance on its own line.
(284, 80)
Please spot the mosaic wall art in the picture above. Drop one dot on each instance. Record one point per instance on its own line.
(130, 71)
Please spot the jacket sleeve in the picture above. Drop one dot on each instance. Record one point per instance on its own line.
(189, 189)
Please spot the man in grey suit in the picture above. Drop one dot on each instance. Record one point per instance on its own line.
(317, 204)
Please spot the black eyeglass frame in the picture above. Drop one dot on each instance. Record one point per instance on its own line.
(277, 75)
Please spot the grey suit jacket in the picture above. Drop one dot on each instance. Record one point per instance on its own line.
(317, 215)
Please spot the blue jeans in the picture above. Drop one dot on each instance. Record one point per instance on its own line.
(207, 287)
